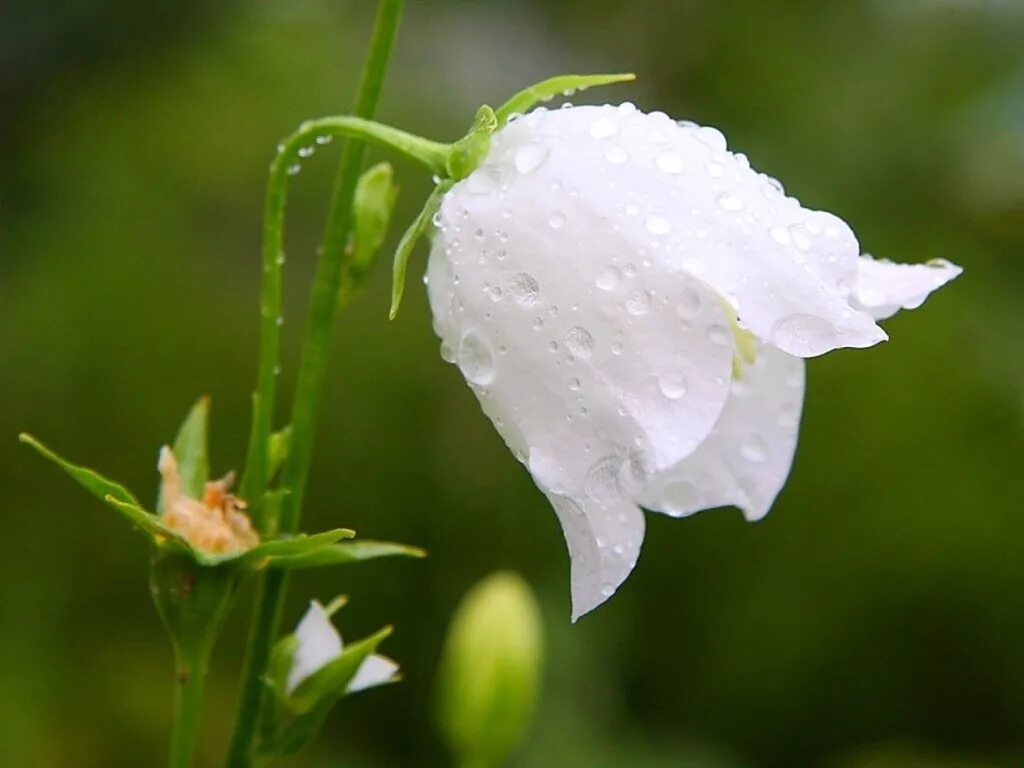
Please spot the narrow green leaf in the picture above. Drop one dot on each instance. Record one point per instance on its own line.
(345, 552)
(405, 246)
(92, 481)
(297, 545)
(547, 89)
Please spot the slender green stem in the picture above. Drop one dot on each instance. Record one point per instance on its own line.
(188, 695)
(271, 590)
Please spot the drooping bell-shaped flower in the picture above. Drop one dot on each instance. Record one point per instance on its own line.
(632, 303)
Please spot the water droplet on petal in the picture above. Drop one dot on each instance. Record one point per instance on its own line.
(531, 157)
(712, 137)
(669, 161)
(608, 279)
(681, 497)
(789, 416)
(658, 225)
(616, 155)
(580, 342)
(801, 236)
(475, 360)
(604, 127)
(524, 289)
(638, 302)
(556, 220)
(689, 303)
(673, 384)
(800, 334)
(730, 202)
(447, 353)
(780, 235)
(754, 449)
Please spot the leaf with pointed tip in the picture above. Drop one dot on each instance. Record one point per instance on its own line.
(408, 242)
(547, 89)
(191, 452)
(345, 552)
(92, 481)
(152, 527)
(300, 716)
(296, 546)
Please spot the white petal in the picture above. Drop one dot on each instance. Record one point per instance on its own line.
(746, 459)
(598, 361)
(375, 670)
(604, 539)
(318, 643)
(884, 287)
(687, 203)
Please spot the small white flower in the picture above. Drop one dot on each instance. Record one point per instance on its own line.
(319, 643)
(631, 303)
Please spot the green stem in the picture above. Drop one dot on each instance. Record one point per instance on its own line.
(188, 695)
(272, 587)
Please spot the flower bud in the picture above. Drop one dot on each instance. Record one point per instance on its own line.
(490, 670)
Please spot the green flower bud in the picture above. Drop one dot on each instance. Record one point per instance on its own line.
(371, 215)
(490, 671)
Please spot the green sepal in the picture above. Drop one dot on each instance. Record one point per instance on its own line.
(467, 152)
(372, 206)
(192, 453)
(150, 525)
(92, 481)
(545, 90)
(344, 553)
(408, 242)
(295, 546)
(298, 717)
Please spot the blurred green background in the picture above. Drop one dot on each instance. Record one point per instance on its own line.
(874, 620)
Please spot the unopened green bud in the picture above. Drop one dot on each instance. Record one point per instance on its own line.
(490, 671)
(372, 207)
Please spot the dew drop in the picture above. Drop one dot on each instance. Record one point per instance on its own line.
(681, 498)
(574, 384)
(580, 342)
(306, 151)
(616, 155)
(603, 128)
(669, 161)
(324, 139)
(789, 416)
(673, 384)
(638, 303)
(801, 236)
(447, 353)
(803, 335)
(727, 201)
(689, 303)
(531, 157)
(475, 360)
(538, 323)
(294, 169)
(658, 225)
(608, 279)
(754, 449)
(556, 220)
(524, 289)
(712, 137)
(780, 235)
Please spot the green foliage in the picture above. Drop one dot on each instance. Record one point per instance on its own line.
(562, 85)
(298, 716)
(416, 230)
